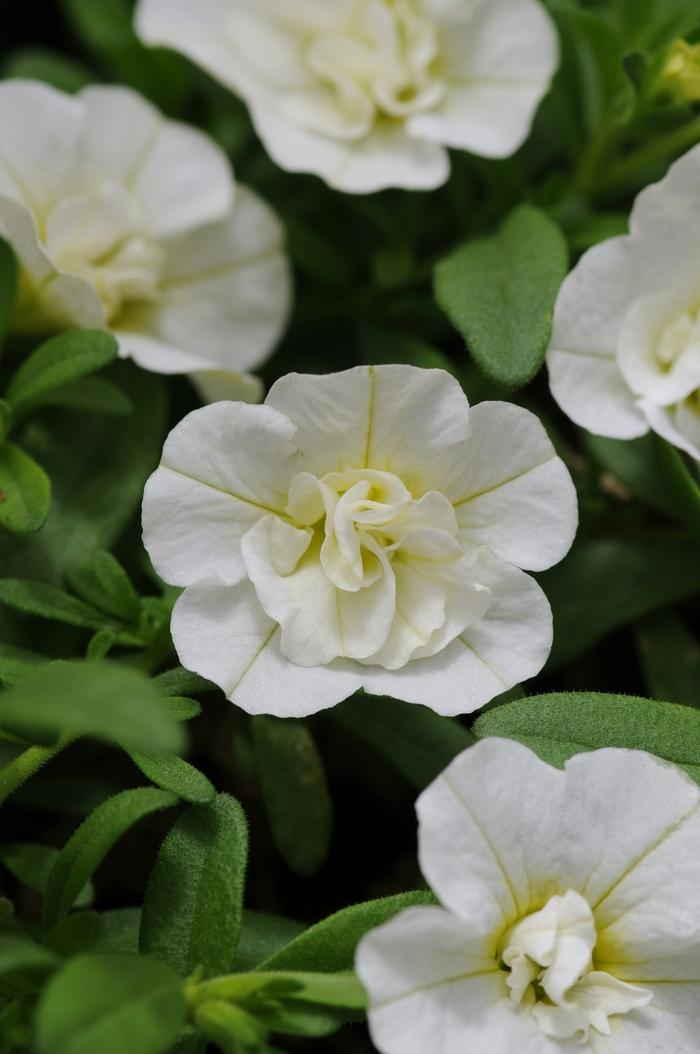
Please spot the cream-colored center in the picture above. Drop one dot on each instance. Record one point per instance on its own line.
(549, 955)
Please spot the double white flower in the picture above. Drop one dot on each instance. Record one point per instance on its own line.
(570, 917)
(369, 93)
(361, 529)
(625, 349)
(125, 221)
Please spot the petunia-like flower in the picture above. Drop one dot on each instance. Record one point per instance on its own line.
(369, 93)
(625, 350)
(360, 529)
(125, 221)
(569, 917)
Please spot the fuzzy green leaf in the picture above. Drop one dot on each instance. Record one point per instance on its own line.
(103, 582)
(295, 792)
(499, 292)
(559, 725)
(37, 598)
(175, 774)
(99, 699)
(88, 846)
(192, 907)
(56, 362)
(111, 1004)
(25, 491)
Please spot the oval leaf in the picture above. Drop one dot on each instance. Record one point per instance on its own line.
(62, 359)
(499, 292)
(193, 903)
(25, 491)
(175, 774)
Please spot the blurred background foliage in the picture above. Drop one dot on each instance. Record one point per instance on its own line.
(389, 277)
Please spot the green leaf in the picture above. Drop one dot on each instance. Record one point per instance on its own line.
(51, 67)
(105, 931)
(559, 725)
(103, 582)
(654, 23)
(670, 658)
(8, 287)
(607, 583)
(384, 344)
(174, 774)
(415, 740)
(32, 863)
(91, 842)
(61, 359)
(94, 394)
(111, 1004)
(20, 953)
(192, 907)
(17, 662)
(329, 946)
(25, 491)
(339, 989)
(262, 935)
(295, 792)
(90, 698)
(182, 709)
(36, 598)
(499, 292)
(179, 681)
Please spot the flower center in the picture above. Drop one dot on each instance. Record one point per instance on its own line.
(659, 347)
(379, 64)
(94, 235)
(550, 958)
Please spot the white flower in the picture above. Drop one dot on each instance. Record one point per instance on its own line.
(369, 93)
(125, 221)
(570, 917)
(625, 350)
(360, 529)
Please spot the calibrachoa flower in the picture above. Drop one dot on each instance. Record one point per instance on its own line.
(625, 349)
(123, 220)
(360, 529)
(570, 915)
(370, 94)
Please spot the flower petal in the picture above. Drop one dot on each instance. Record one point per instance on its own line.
(669, 1023)
(222, 633)
(509, 644)
(223, 468)
(225, 296)
(178, 174)
(515, 496)
(679, 425)
(400, 419)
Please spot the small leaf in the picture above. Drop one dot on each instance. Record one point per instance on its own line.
(329, 946)
(192, 907)
(93, 394)
(88, 846)
(37, 598)
(103, 583)
(670, 658)
(174, 774)
(562, 724)
(25, 491)
(418, 742)
(90, 698)
(182, 709)
(32, 863)
(61, 359)
(8, 287)
(110, 1004)
(499, 292)
(179, 681)
(295, 792)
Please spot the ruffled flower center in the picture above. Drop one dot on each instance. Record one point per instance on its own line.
(361, 569)
(549, 956)
(97, 235)
(659, 348)
(380, 63)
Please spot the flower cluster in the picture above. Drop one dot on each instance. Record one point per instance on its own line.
(363, 529)
(370, 94)
(569, 917)
(125, 221)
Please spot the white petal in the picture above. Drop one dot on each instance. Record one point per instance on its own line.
(179, 175)
(40, 128)
(668, 1024)
(48, 298)
(222, 633)
(223, 468)
(498, 59)
(225, 296)
(665, 225)
(679, 425)
(509, 644)
(400, 419)
(319, 622)
(515, 496)
(591, 390)
(215, 385)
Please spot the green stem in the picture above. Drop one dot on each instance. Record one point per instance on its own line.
(27, 764)
(661, 149)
